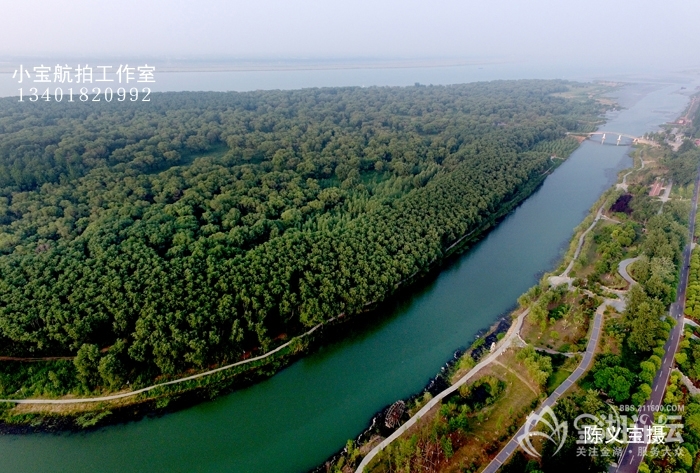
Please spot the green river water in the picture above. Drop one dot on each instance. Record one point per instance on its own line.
(296, 419)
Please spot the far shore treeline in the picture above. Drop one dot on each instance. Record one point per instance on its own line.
(154, 238)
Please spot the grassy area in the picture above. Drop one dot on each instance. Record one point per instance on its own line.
(449, 439)
(593, 90)
(612, 334)
(559, 320)
(566, 325)
(563, 367)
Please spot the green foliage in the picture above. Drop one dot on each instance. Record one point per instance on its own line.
(91, 419)
(446, 444)
(641, 317)
(567, 459)
(692, 301)
(560, 148)
(616, 382)
(86, 363)
(688, 359)
(657, 276)
(559, 311)
(539, 367)
(111, 366)
(682, 166)
(202, 226)
(611, 241)
(38, 379)
(642, 394)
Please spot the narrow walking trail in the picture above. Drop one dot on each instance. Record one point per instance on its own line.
(581, 239)
(585, 364)
(126, 394)
(622, 269)
(623, 184)
(504, 344)
(564, 277)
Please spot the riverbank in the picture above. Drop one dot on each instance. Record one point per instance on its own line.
(451, 446)
(502, 353)
(294, 420)
(31, 415)
(493, 435)
(484, 352)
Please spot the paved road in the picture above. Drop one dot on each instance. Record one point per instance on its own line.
(622, 269)
(667, 192)
(630, 460)
(512, 445)
(511, 335)
(618, 304)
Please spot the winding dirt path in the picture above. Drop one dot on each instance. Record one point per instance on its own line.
(517, 375)
(564, 277)
(581, 239)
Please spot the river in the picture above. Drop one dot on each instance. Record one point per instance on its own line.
(296, 419)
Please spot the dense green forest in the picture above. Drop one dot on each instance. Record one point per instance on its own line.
(152, 238)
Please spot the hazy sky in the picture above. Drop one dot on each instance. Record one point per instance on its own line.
(661, 31)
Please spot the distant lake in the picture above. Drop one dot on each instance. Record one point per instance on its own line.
(296, 419)
(335, 75)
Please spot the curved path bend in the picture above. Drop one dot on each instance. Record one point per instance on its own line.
(588, 356)
(123, 395)
(622, 269)
(623, 184)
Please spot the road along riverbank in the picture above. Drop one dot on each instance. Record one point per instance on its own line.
(298, 418)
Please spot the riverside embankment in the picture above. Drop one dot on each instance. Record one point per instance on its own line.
(296, 419)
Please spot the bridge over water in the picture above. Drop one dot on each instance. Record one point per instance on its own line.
(615, 135)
